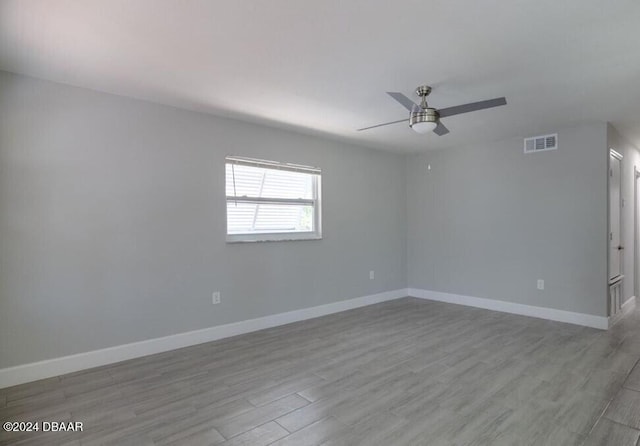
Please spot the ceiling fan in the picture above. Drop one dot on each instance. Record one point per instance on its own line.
(423, 118)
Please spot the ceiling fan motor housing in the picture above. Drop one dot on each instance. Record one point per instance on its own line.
(423, 115)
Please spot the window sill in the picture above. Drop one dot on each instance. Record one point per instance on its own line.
(259, 238)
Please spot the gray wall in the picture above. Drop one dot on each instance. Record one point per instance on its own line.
(488, 221)
(112, 222)
(630, 159)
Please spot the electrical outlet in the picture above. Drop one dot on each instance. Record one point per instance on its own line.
(540, 284)
(372, 275)
(215, 297)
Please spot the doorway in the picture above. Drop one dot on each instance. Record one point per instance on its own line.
(615, 233)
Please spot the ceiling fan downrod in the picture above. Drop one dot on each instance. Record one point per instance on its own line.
(423, 91)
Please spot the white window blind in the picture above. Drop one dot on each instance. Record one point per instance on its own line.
(267, 200)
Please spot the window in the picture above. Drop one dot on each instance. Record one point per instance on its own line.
(268, 201)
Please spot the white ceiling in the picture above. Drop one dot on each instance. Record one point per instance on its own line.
(323, 66)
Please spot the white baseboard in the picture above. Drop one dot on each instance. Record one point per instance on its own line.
(20, 374)
(627, 307)
(552, 314)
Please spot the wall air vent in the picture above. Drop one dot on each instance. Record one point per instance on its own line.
(541, 143)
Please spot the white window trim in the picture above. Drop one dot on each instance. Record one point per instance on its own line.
(316, 234)
(273, 237)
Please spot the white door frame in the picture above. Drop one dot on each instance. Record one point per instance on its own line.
(636, 232)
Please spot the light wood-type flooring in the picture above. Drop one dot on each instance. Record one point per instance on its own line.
(404, 372)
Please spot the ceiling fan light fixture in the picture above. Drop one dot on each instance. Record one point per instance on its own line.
(424, 120)
(423, 127)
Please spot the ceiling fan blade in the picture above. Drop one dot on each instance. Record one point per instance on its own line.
(402, 99)
(381, 125)
(473, 106)
(440, 129)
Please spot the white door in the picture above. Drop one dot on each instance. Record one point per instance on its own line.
(615, 248)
